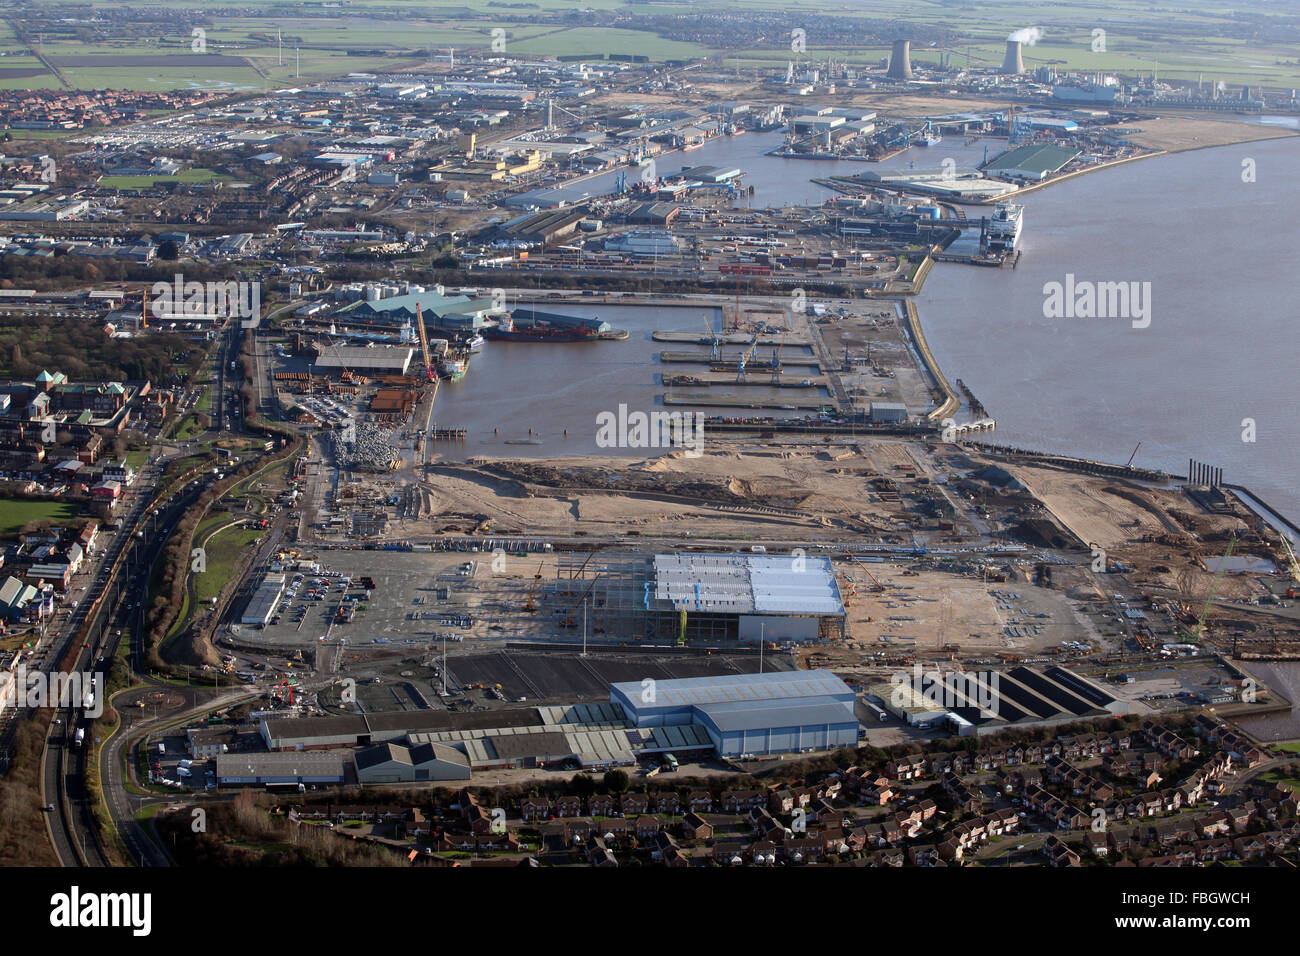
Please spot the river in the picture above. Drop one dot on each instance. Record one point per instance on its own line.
(1220, 348)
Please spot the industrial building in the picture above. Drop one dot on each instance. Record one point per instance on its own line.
(291, 768)
(398, 763)
(262, 605)
(444, 311)
(887, 413)
(596, 735)
(380, 360)
(1033, 162)
(704, 599)
(983, 702)
(777, 712)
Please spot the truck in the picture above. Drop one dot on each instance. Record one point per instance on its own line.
(162, 750)
(669, 764)
(80, 738)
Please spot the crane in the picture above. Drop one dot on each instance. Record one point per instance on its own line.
(1129, 463)
(530, 606)
(744, 359)
(777, 368)
(1290, 556)
(715, 343)
(1214, 588)
(568, 617)
(578, 573)
(875, 584)
(424, 343)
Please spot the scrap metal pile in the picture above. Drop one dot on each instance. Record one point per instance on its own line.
(373, 449)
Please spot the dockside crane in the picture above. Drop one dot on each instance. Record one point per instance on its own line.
(715, 343)
(744, 359)
(777, 368)
(424, 344)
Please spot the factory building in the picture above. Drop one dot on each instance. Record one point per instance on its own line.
(398, 763)
(1032, 162)
(261, 606)
(705, 599)
(381, 360)
(778, 712)
(293, 768)
(887, 413)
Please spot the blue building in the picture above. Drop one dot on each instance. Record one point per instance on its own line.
(776, 712)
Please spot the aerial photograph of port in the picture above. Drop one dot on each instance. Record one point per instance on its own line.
(723, 435)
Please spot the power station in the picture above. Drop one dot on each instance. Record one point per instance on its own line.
(900, 61)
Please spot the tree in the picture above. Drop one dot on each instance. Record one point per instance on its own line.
(616, 781)
(169, 250)
(583, 785)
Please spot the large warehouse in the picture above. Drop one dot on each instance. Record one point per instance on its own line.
(398, 763)
(386, 360)
(778, 712)
(709, 599)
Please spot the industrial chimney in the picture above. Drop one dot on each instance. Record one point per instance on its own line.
(900, 61)
(1013, 64)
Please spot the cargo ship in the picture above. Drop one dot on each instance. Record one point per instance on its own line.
(533, 326)
(931, 138)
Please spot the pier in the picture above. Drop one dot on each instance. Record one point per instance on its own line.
(702, 358)
(724, 400)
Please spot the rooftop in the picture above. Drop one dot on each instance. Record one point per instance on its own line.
(727, 688)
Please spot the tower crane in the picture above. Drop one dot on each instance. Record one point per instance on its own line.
(424, 343)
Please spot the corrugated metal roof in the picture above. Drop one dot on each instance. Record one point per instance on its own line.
(747, 584)
(774, 685)
(743, 715)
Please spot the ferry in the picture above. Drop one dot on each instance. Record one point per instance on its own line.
(1003, 231)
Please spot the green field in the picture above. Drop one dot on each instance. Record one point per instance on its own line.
(144, 182)
(223, 552)
(1196, 39)
(15, 513)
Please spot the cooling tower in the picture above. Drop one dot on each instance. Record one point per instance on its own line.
(1013, 63)
(900, 61)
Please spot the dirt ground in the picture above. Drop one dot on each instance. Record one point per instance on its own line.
(1193, 132)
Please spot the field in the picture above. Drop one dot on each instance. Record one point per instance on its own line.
(1199, 41)
(222, 552)
(144, 182)
(14, 514)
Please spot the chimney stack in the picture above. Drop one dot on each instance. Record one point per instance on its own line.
(1013, 63)
(900, 61)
